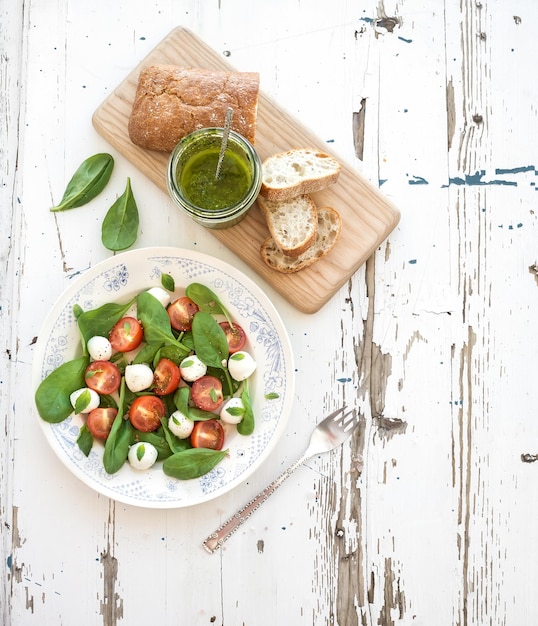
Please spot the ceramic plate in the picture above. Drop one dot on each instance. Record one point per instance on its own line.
(118, 279)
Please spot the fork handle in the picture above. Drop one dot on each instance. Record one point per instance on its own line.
(216, 539)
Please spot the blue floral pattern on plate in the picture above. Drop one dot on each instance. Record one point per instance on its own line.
(120, 278)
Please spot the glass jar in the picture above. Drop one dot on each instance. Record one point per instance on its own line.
(192, 183)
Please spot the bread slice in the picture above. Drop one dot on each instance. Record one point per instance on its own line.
(292, 223)
(297, 171)
(328, 232)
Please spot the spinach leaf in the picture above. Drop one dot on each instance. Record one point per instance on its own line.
(192, 463)
(119, 439)
(199, 415)
(246, 425)
(176, 444)
(206, 300)
(87, 182)
(225, 378)
(82, 401)
(117, 448)
(147, 354)
(210, 343)
(174, 353)
(120, 226)
(85, 440)
(155, 320)
(52, 395)
(168, 282)
(181, 400)
(157, 438)
(101, 320)
(181, 403)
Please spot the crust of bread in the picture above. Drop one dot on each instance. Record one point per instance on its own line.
(292, 223)
(328, 233)
(296, 172)
(173, 101)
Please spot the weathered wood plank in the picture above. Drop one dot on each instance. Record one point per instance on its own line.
(427, 516)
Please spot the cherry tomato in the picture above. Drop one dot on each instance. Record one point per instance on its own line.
(100, 421)
(206, 393)
(208, 434)
(166, 377)
(146, 413)
(103, 377)
(181, 312)
(126, 334)
(235, 336)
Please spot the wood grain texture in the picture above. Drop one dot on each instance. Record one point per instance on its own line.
(367, 217)
(427, 516)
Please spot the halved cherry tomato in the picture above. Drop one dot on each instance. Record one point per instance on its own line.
(103, 377)
(181, 312)
(235, 336)
(100, 421)
(206, 393)
(126, 334)
(166, 377)
(208, 434)
(146, 413)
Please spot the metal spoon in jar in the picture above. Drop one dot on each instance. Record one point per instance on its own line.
(224, 143)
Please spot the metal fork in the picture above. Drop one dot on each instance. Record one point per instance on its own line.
(328, 434)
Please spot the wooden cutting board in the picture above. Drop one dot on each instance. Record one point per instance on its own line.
(367, 216)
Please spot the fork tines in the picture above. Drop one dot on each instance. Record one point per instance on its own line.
(347, 419)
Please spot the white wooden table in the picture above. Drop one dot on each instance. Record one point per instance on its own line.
(428, 516)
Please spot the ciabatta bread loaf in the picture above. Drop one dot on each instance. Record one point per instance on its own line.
(298, 171)
(172, 101)
(328, 232)
(292, 223)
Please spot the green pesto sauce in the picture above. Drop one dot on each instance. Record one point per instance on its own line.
(201, 188)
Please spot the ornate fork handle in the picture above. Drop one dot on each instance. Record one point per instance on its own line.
(215, 540)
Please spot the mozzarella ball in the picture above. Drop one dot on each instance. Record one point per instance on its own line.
(232, 411)
(180, 425)
(241, 365)
(162, 296)
(142, 455)
(192, 368)
(93, 399)
(138, 377)
(99, 348)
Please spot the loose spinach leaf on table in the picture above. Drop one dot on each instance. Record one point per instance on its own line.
(87, 182)
(52, 395)
(120, 226)
(192, 463)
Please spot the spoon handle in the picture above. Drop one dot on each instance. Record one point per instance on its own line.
(225, 133)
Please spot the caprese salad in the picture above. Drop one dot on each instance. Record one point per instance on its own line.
(161, 378)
